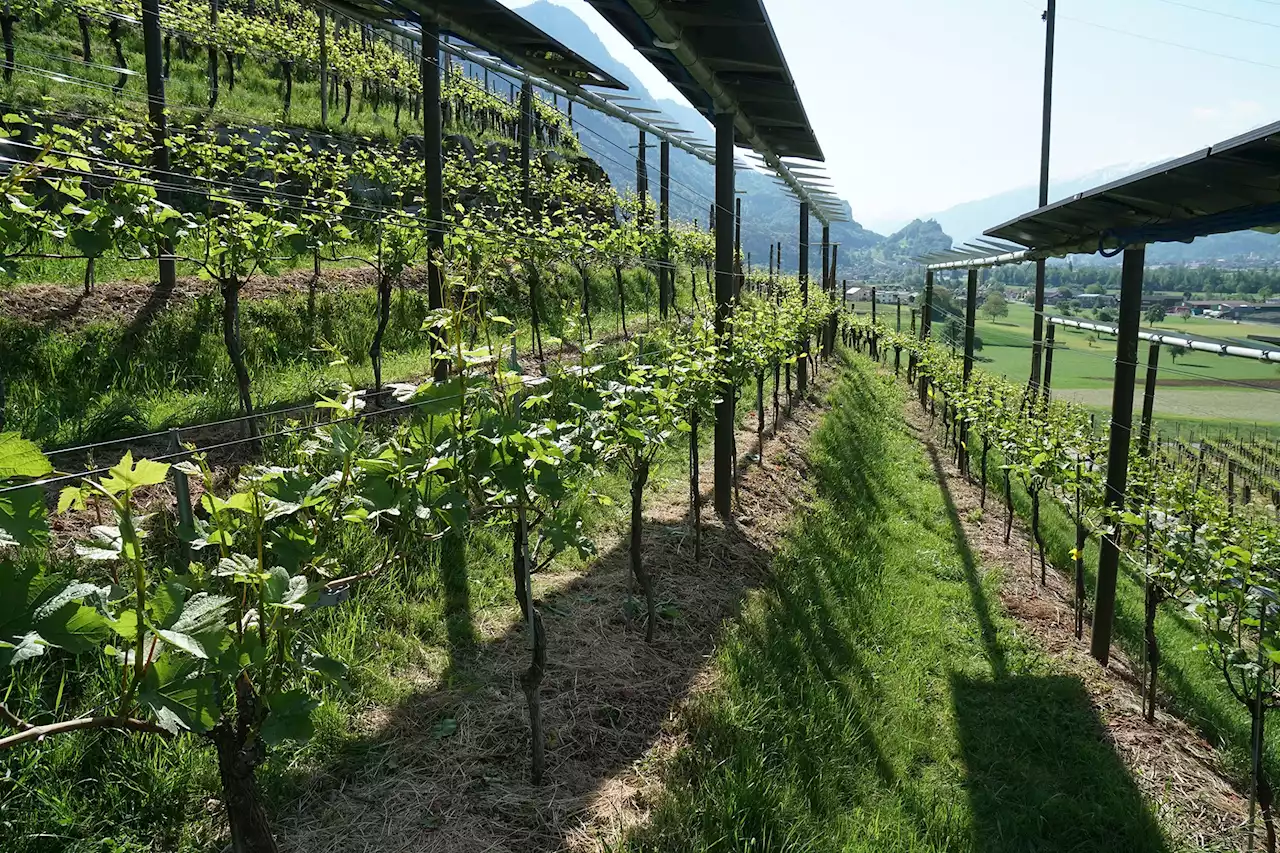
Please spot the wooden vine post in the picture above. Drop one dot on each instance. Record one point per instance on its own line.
(526, 198)
(823, 346)
(1148, 396)
(324, 66)
(1048, 361)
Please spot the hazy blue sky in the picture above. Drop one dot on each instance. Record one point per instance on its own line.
(922, 104)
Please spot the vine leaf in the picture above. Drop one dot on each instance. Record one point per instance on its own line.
(290, 717)
(179, 696)
(21, 458)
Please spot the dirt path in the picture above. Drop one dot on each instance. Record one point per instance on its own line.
(1175, 768)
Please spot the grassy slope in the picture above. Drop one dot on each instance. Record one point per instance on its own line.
(876, 699)
(106, 381)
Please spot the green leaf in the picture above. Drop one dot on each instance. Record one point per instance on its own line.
(21, 458)
(22, 518)
(127, 475)
(183, 642)
(289, 717)
(73, 626)
(444, 728)
(202, 614)
(18, 649)
(331, 670)
(179, 696)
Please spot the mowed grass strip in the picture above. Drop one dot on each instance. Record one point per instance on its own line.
(875, 698)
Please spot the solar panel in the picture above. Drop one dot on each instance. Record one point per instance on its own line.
(1231, 186)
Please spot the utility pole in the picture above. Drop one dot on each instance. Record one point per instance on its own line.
(1037, 323)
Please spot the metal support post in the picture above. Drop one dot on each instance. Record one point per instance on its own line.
(1149, 398)
(1048, 361)
(642, 177)
(153, 44)
(737, 248)
(1104, 607)
(970, 314)
(723, 487)
(802, 366)
(324, 65)
(433, 163)
(826, 257)
(666, 277)
(833, 325)
(926, 317)
(526, 143)
(899, 328)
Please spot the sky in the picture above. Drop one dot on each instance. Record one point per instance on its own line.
(923, 104)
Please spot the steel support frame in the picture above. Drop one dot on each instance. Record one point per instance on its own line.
(1104, 607)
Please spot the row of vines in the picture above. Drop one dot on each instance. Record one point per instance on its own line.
(216, 646)
(1186, 536)
(286, 37)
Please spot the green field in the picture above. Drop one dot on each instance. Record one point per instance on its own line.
(1197, 386)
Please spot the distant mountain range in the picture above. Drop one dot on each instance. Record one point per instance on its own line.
(968, 220)
(768, 214)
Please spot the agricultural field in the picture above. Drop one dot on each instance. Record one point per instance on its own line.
(1213, 391)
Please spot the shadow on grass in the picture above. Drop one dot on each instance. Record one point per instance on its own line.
(977, 595)
(1041, 774)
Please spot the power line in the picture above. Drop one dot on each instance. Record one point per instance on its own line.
(1220, 14)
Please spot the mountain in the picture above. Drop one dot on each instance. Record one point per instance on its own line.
(768, 214)
(969, 219)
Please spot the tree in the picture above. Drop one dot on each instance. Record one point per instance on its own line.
(1096, 289)
(1106, 316)
(1156, 313)
(995, 306)
(1175, 352)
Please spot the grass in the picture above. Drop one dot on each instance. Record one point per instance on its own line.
(875, 698)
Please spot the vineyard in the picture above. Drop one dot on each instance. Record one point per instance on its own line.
(375, 474)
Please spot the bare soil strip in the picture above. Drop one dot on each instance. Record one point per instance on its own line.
(127, 302)
(1175, 768)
